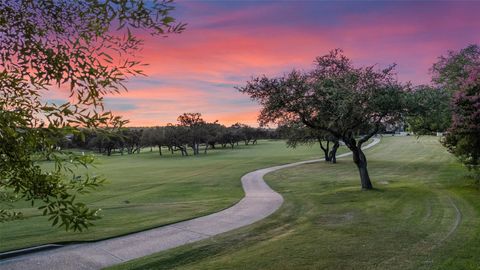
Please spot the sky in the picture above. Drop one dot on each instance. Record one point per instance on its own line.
(226, 43)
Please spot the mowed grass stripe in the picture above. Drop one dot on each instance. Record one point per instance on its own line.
(146, 190)
(409, 222)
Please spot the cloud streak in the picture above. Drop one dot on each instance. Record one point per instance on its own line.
(227, 42)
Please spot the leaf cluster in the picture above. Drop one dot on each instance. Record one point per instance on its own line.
(86, 48)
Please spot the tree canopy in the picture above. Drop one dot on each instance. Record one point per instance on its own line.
(84, 47)
(429, 110)
(459, 72)
(352, 104)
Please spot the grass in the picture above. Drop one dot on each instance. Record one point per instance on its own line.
(423, 214)
(146, 190)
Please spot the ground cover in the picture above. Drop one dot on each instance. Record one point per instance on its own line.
(423, 214)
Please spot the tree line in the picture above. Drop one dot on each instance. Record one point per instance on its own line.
(191, 135)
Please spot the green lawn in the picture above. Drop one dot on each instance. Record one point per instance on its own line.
(423, 215)
(146, 190)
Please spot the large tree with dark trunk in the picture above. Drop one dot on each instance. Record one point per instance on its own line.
(350, 103)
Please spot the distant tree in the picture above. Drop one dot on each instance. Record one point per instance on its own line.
(195, 126)
(131, 140)
(147, 138)
(352, 104)
(177, 138)
(107, 140)
(229, 137)
(429, 110)
(298, 133)
(245, 133)
(154, 136)
(85, 47)
(213, 134)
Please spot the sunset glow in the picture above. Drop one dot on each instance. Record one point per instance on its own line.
(226, 43)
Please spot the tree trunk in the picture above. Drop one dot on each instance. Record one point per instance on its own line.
(160, 149)
(333, 152)
(195, 148)
(325, 150)
(361, 162)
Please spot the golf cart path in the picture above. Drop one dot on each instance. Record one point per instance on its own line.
(259, 202)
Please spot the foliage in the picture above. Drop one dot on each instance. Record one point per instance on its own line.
(298, 134)
(191, 132)
(451, 70)
(194, 124)
(429, 110)
(86, 48)
(460, 73)
(336, 98)
(463, 138)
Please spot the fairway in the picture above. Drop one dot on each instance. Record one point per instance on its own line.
(423, 214)
(147, 190)
(239, 135)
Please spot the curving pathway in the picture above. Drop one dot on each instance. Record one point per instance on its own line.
(259, 202)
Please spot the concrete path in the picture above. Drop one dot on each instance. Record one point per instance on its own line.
(259, 202)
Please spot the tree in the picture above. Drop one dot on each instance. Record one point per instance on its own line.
(352, 104)
(298, 133)
(229, 137)
(213, 134)
(85, 47)
(459, 72)
(194, 124)
(246, 133)
(131, 140)
(147, 138)
(154, 136)
(176, 138)
(450, 71)
(463, 138)
(429, 110)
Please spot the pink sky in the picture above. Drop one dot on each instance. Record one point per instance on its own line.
(226, 43)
